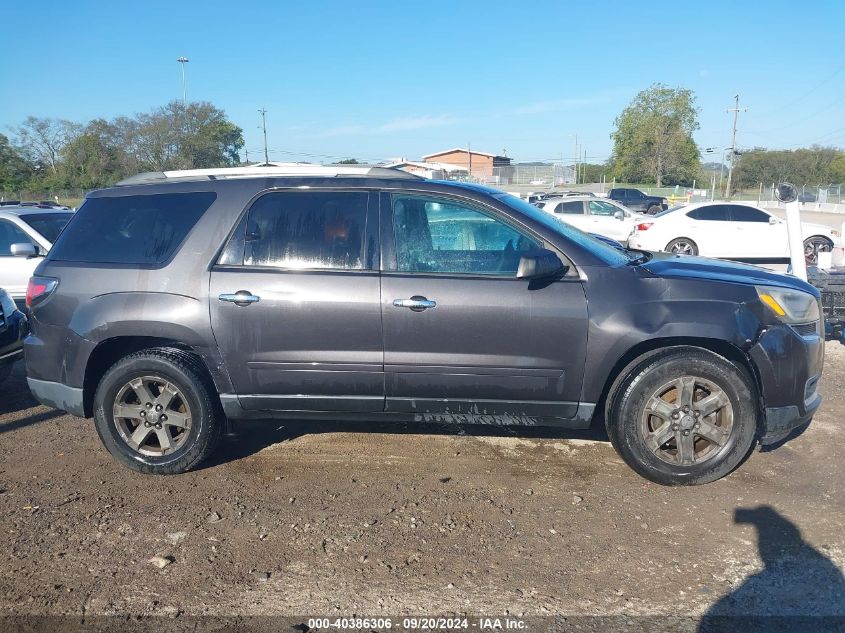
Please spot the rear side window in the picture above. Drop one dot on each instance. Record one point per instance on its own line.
(131, 229)
(713, 213)
(570, 208)
(49, 225)
(302, 230)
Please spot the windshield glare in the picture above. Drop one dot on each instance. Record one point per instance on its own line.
(606, 253)
(49, 225)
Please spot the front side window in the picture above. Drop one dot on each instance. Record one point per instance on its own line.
(302, 230)
(10, 234)
(742, 213)
(710, 213)
(439, 235)
(599, 207)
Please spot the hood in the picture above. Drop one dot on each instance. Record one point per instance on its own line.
(706, 269)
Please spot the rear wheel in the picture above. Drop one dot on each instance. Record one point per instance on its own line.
(682, 246)
(684, 416)
(155, 412)
(815, 245)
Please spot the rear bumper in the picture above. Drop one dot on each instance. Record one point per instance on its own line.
(58, 396)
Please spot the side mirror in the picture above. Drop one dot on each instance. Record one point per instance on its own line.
(773, 220)
(619, 215)
(540, 264)
(24, 249)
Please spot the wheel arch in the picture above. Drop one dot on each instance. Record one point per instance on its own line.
(109, 351)
(644, 349)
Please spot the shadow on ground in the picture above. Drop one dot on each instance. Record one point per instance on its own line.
(799, 589)
(249, 437)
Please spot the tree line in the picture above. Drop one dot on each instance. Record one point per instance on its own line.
(47, 154)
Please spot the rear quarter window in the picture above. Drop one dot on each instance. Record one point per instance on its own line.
(143, 230)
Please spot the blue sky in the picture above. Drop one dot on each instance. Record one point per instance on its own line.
(377, 80)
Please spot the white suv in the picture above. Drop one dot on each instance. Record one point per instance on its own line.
(26, 234)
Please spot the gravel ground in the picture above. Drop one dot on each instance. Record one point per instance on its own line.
(333, 520)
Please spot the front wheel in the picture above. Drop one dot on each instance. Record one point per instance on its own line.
(654, 209)
(815, 245)
(682, 246)
(155, 412)
(685, 416)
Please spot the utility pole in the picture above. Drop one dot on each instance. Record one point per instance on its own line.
(184, 60)
(263, 112)
(246, 151)
(736, 110)
(469, 157)
(575, 162)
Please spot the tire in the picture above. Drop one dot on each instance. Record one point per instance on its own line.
(194, 406)
(634, 427)
(815, 245)
(654, 209)
(682, 246)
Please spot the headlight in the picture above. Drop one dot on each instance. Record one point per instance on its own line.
(7, 304)
(790, 306)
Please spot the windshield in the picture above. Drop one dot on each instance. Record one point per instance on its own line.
(608, 254)
(49, 225)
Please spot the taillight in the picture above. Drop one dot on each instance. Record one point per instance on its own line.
(644, 226)
(39, 288)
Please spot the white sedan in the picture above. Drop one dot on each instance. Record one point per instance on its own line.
(730, 230)
(594, 215)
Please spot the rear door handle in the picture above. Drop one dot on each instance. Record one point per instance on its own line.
(240, 298)
(415, 303)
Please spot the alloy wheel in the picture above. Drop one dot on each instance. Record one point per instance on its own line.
(687, 421)
(152, 416)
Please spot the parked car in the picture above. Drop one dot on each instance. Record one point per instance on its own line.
(13, 328)
(594, 215)
(26, 234)
(312, 292)
(636, 200)
(806, 196)
(736, 230)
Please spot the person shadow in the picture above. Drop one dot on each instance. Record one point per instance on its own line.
(799, 589)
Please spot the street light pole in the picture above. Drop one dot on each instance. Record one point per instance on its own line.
(263, 112)
(184, 60)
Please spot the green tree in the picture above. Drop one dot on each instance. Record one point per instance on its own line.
(805, 166)
(348, 161)
(653, 138)
(42, 140)
(15, 171)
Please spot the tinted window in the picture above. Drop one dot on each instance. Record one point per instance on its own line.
(304, 230)
(10, 234)
(48, 224)
(598, 207)
(570, 208)
(130, 229)
(439, 235)
(712, 212)
(742, 213)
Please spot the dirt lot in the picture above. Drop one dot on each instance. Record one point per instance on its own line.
(332, 520)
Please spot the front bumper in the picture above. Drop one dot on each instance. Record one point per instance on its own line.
(789, 367)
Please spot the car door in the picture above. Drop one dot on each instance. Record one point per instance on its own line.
(709, 227)
(602, 219)
(463, 335)
(757, 236)
(15, 271)
(295, 303)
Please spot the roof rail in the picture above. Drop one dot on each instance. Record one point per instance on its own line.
(253, 171)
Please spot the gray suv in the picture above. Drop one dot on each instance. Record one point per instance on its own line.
(176, 300)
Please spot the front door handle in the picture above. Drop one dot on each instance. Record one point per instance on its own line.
(240, 298)
(415, 303)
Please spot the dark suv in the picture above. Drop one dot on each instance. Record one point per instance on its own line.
(636, 200)
(177, 300)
